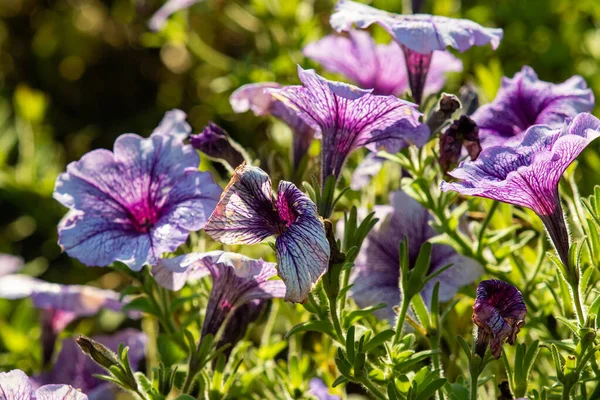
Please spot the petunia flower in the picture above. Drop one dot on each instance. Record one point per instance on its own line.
(137, 202)
(16, 385)
(381, 67)
(248, 213)
(255, 97)
(215, 142)
(527, 175)
(377, 269)
(462, 132)
(366, 170)
(239, 283)
(318, 389)
(419, 35)
(169, 8)
(499, 313)
(524, 101)
(75, 368)
(10, 264)
(349, 117)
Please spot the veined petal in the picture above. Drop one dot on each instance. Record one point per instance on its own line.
(59, 392)
(303, 250)
(245, 213)
(173, 273)
(15, 385)
(524, 100)
(419, 32)
(174, 124)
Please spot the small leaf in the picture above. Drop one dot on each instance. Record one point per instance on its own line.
(312, 326)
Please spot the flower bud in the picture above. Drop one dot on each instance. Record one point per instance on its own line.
(98, 352)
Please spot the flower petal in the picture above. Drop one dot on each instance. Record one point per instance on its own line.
(174, 124)
(366, 170)
(170, 7)
(419, 32)
(245, 213)
(173, 273)
(15, 385)
(10, 264)
(303, 250)
(59, 392)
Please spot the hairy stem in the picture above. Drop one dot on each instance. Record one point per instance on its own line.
(400, 320)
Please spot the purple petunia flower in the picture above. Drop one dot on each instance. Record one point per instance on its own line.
(169, 8)
(135, 203)
(320, 390)
(15, 385)
(499, 313)
(377, 272)
(419, 35)
(215, 142)
(349, 117)
(248, 213)
(377, 66)
(239, 282)
(75, 368)
(255, 97)
(524, 101)
(527, 175)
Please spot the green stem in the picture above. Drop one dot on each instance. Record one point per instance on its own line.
(437, 365)
(371, 387)
(336, 320)
(192, 371)
(400, 321)
(566, 393)
(484, 226)
(578, 304)
(474, 386)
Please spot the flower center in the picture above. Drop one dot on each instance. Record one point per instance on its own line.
(287, 213)
(143, 217)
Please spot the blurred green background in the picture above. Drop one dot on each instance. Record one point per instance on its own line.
(75, 74)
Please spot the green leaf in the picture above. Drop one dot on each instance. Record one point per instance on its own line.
(339, 380)
(143, 304)
(312, 326)
(430, 389)
(379, 339)
(421, 311)
(350, 344)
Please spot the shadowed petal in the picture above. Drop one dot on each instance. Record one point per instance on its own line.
(303, 250)
(215, 142)
(174, 124)
(245, 213)
(419, 32)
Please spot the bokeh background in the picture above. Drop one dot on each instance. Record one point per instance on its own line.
(75, 74)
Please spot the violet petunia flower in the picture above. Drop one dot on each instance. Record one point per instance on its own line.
(349, 117)
(377, 269)
(135, 203)
(248, 213)
(381, 67)
(499, 313)
(215, 142)
(75, 368)
(419, 35)
(527, 175)
(239, 283)
(318, 389)
(524, 101)
(16, 385)
(255, 97)
(169, 8)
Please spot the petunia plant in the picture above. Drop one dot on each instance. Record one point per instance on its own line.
(404, 249)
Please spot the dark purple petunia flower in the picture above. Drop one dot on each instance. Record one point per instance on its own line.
(377, 66)
(527, 175)
(318, 389)
(248, 213)
(349, 117)
(419, 35)
(135, 203)
(524, 101)
(215, 142)
(377, 271)
(239, 283)
(16, 385)
(462, 132)
(75, 368)
(169, 8)
(255, 97)
(499, 313)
